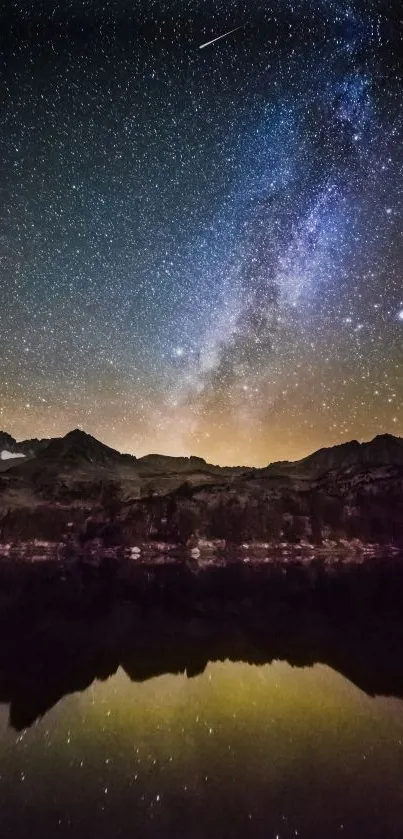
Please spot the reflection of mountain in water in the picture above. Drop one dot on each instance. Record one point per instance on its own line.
(59, 634)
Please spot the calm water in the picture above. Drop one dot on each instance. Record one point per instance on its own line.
(239, 750)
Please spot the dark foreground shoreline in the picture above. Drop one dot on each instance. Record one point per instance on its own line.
(62, 626)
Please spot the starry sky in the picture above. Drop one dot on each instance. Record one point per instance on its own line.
(201, 249)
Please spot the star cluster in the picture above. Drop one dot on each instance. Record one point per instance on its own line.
(201, 250)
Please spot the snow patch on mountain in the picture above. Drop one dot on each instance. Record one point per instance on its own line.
(5, 455)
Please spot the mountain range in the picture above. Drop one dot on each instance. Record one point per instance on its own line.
(343, 493)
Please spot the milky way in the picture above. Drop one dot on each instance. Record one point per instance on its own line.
(201, 250)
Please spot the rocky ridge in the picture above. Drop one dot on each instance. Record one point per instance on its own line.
(77, 485)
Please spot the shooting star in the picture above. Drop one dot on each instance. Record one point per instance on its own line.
(221, 36)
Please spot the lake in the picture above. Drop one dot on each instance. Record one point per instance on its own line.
(240, 750)
(157, 709)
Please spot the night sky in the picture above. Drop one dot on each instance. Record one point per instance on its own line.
(201, 249)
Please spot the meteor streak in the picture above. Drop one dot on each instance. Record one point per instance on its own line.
(207, 44)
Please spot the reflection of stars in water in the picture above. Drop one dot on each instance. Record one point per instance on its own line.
(262, 717)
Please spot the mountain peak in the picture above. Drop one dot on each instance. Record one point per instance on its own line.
(78, 445)
(77, 435)
(383, 450)
(386, 438)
